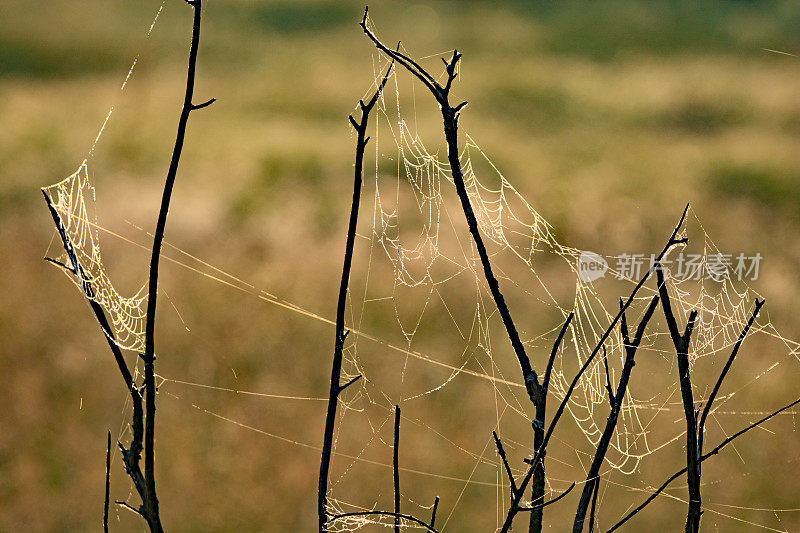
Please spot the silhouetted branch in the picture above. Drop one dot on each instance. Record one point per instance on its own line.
(541, 451)
(594, 505)
(396, 468)
(707, 409)
(548, 502)
(143, 420)
(502, 453)
(681, 343)
(150, 497)
(592, 478)
(340, 333)
(433, 512)
(702, 458)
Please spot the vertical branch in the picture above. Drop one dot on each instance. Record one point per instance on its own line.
(433, 512)
(702, 458)
(108, 484)
(535, 521)
(681, 343)
(336, 387)
(593, 476)
(542, 450)
(396, 468)
(151, 499)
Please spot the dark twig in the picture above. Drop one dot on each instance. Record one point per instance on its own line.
(126, 505)
(542, 449)
(131, 456)
(341, 334)
(386, 513)
(108, 484)
(143, 428)
(433, 512)
(150, 498)
(502, 453)
(681, 343)
(549, 502)
(396, 477)
(609, 390)
(593, 477)
(702, 458)
(396, 468)
(718, 384)
(594, 506)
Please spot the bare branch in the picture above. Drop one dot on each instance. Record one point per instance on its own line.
(593, 476)
(396, 468)
(703, 457)
(343, 387)
(502, 453)
(542, 449)
(549, 502)
(433, 512)
(556, 345)
(341, 333)
(681, 343)
(728, 363)
(594, 506)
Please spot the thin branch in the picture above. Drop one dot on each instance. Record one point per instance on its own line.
(433, 512)
(108, 483)
(718, 384)
(150, 498)
(681, 343)
(396, 468)
(549, 502)
(502, 453)
(594, 506)
(129, 507)
(593, 476)
(556, 345)
(703, 457)
(340, 333)
(609, 390)
(385, 513)
(343, 387)
(542, 449)
(85, 284)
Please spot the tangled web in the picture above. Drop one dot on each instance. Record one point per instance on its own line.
(73, 199)
(420, 292)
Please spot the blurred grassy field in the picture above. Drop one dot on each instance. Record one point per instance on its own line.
(608, 117)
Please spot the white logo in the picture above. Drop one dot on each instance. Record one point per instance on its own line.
(591, 266)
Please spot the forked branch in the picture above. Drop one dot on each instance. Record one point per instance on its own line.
(143, 417)
(541, 451)
(592, 478)
(702, 458)
(340, 334)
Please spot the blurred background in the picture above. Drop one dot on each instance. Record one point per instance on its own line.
(607, 117)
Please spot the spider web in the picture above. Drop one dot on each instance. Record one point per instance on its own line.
(420, 275)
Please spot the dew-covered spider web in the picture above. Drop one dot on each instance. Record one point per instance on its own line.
(426, 335)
